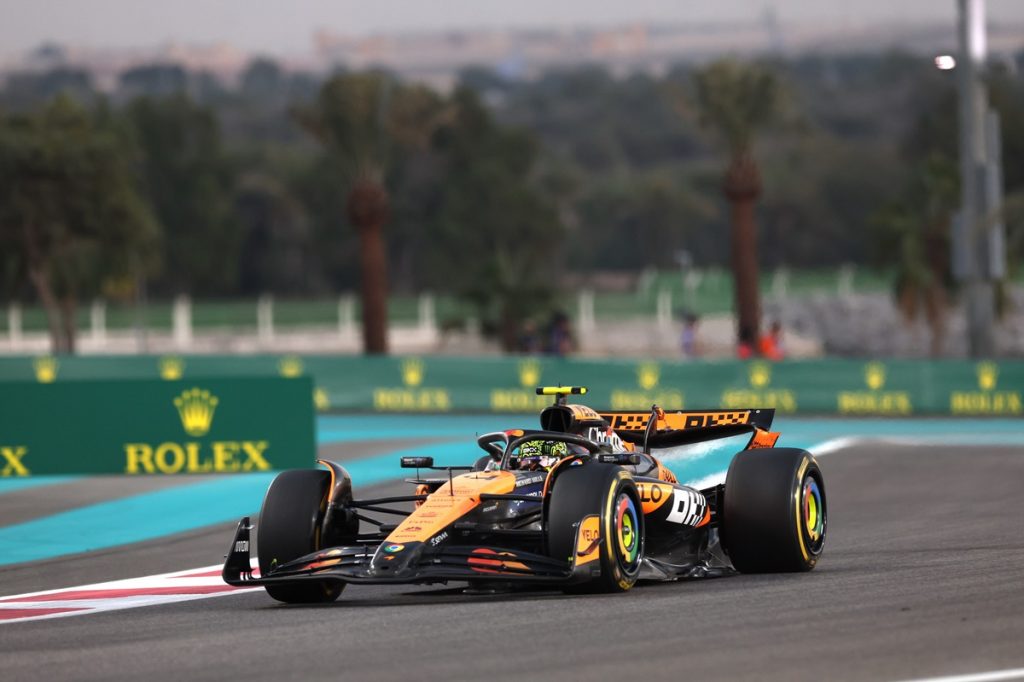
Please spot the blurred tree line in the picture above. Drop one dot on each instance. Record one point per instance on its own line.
(284, 182)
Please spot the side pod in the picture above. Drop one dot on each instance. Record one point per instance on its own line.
(237, 565)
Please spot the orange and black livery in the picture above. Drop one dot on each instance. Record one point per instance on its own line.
(585, 502)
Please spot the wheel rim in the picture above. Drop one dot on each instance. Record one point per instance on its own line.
(627, 532)
(812, 502)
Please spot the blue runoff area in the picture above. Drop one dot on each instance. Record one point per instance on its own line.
(190, 506)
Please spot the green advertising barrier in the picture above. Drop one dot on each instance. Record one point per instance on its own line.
(150, 426)
(505, 384)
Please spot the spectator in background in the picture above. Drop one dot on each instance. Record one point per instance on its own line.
(559, 335)
(529, 338)
(770, 345)
(688, 340)
(747, 344)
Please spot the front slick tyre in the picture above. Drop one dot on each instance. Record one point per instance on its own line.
(775, 512)
(289, 527)
(610, 493)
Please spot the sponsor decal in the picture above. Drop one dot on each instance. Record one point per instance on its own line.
(321, 399)
(412, 397)
(760, 393)
(438, 539)
(290, 366)
(522, 399)
(529, 373)
(13, 459)
(986, 400)
(196, 408)
(648, 375)
(688, 507)
(46, 369)
(530, 480)
(242, 546)
(171, 368)
(393, 548)
(588, 541)
(874, 400)
(653, 495)
(195, 458)
(490, 508)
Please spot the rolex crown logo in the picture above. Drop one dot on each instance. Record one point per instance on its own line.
(874, 375)
(321, 399)
(46, 369)
(648, 375)
(290, 366)
(988, 374)
(412, 372)
(196, 407)
(171, 368)
(760, 374)
(529, 373)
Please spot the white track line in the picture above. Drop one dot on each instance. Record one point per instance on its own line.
(165, 588)
(824, 448)
(993, 676)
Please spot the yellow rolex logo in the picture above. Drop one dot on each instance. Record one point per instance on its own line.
(412, 372)
(290, 366)
(874, 375)
(171, 368)
(46, 369)
(196, 407)
(647, 375)
(529, 373)
(321, 399)
(760, 374)
(988, 374)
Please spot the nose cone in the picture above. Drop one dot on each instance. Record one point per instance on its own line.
(396, 559)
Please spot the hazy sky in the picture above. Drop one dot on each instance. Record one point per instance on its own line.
(282, 26)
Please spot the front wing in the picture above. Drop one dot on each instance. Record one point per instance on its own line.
(463, 562)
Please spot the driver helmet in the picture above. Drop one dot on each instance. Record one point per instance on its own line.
(541, 455)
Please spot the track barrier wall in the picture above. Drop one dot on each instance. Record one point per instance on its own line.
(506, 384)
(139, 426)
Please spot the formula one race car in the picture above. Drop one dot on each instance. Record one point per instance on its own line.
(584, 504)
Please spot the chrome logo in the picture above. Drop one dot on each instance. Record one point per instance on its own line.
(393, 549)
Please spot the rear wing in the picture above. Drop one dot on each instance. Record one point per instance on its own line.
(688, 419)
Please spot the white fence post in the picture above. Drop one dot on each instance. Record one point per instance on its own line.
(265, 318)
(346, 316)
(692, 283)
(664, 313)
(845, 285)
(14, 324)
(427, 316)
(780, 283)
(98, 321)
(587, 323)
(181, 320)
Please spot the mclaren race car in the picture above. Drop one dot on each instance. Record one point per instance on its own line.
(583, 504)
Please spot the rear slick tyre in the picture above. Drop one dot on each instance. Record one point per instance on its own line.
(775, 511)
(289, 527)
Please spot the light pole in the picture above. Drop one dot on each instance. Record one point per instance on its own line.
(978, 242)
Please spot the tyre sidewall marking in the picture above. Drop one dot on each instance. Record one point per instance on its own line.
(798, 507)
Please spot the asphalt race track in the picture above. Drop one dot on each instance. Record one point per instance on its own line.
(923, 575)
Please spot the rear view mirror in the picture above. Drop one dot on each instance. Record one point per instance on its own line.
(417, 462)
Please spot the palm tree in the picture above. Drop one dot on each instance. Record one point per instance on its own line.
(364, 120)
(913, 234)
(737, 101)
